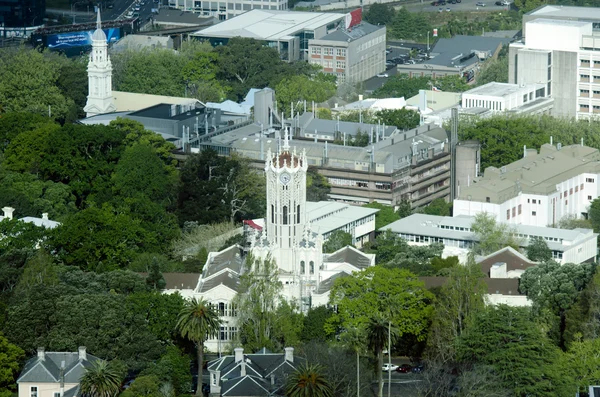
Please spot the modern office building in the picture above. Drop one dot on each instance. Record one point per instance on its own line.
(538, 190)
(223, 10)
(287, 31)
(512, 98)
(19, 18)
(561, 51)
(352, 53)
(567, 246)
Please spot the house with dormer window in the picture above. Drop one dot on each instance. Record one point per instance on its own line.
(54, 374)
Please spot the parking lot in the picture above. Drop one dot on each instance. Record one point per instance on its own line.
(464, 5)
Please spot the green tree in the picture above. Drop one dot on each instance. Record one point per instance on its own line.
(494, 70)
(257, 301)
(379, 329)
(28, 83)
(417, 259)
(386, 246)
(384, 216)
(456, 303)
(144, 386)
(155, 279)
(313, 328)
(404, 119)
(296, 89)
(160, 312)
(380, 14)
(452, 83)
(13, 123)
(10, 363)
(492, 235)
(100, 380)
(197, 322)
(582, 363)
(404, 209)
(173, 368)
(594, 214)
(537, 250)
(507, 339)
(308, 381)
(317, 187)
(337, 240)
(401, 85)
(288, 325)
(438, 207)
(555, 287)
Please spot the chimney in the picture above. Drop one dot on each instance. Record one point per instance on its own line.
(45, 216)
(8, 212)
(238, 354)
(62, 379)
(242, 368)
(360, 97)
(272, 379)
(289, 354)
(82, 353)
(215, 382)
(41, 353)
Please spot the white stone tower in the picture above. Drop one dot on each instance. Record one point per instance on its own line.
(100, 98)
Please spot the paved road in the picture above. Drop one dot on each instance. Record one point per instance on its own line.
(465, 5)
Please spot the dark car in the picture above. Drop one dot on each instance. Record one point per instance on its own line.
(417, 369)
(404, 368)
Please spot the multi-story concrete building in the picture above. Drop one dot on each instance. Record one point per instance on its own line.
(567, 246)
(561, 51)
(227, 9)
(352, 55)
(287, 31)
(504, 97)
(538, 190)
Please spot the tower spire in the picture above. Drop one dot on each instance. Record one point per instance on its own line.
(98, 20)
(286, 141)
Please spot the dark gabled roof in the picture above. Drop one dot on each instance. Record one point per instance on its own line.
(72, 392)
(229, 258)
(179, 280)
(227, 278)
(457, 50)
(326, 284)
(247, 386)
(349, 255)
(514, 260)
(48, 370)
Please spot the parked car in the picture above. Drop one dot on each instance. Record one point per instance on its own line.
(441, 9)
(498, 3)
(404, 368)
(389, 367)
(448, 9)
(417, 369)
(480, 4)
(383, 75)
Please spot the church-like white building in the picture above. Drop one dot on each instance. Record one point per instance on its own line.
(100, 98)
(305, 272)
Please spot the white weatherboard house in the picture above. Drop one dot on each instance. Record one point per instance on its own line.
(292, 234)
(539, 189)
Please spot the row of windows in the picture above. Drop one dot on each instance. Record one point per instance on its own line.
(460, 229)
(311, 266)
(328, 63)
(371, 43)
(285, 217)
(514, 212)
(340, 52)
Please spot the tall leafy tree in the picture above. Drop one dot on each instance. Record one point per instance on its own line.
(404, 119)
(197, 322)
(537, 250)
(380, 14)
(384, 216)
(296, 89)
(508, 339)
(379, 329)
(10, 363)
(100, 380)
(337, 240)
(492, 235)
(308, 381)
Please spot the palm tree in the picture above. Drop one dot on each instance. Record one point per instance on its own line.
(197, 321)
(308, 381)
(100, 380)
(354, 338)
(379, 329)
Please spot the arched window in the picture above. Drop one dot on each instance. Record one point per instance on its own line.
(298, 214)
(272, 213)
(221, 309)
(312, 267)
(285, 215)
(302, 267)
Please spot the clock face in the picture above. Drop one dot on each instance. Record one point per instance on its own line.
(285, 178)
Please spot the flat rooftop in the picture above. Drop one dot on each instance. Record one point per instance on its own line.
(327, 216)
(537, 173)
(495, 89)
(562, 22)
(355, 33)
(269, 25)
(556, 11)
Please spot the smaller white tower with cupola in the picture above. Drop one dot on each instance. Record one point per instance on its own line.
(100, 99)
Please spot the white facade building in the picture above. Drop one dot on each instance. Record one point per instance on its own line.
(227, 9)
(561, 50)
(504, 97)
(538, 190)
(567, 246)
(100, 99)
(292, 238)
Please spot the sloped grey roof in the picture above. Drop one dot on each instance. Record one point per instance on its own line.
(355, 33)
(349, 255)
(455, 51)
(228, 279)
(247, 386)
(514, 260)
(229, 258)
(48, 370)
(72, 392)
(326, 284)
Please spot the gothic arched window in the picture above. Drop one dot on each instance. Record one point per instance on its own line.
(302, 267)
(312, 267)
(285, 215)
(298, 214)
(272, 213)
